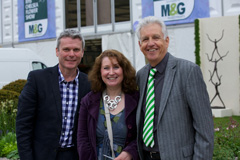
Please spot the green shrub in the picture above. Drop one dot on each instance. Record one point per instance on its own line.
(8, 110)
(16, 86)
(8, 95)
(13, 155)
(8, 146)
(226, 140)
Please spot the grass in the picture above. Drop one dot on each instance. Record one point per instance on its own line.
(226, 138)
(225, 120)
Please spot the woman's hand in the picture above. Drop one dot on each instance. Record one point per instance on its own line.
(124, 156)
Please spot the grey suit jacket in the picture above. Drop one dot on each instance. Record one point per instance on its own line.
(185, 123)
(39, 118)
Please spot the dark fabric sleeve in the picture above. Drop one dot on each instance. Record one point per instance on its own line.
(84, 147)
(132, 149)
(25, 118)
(131, 140)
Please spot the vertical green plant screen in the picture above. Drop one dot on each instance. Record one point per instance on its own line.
(197, 42)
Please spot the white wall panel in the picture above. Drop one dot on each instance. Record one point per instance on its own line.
(181, 41)
(231, 7)
(7, 21)
(181, 38)
(1, 23)
(137, 9)
(15, 20)
(137, 15)
(215, 7)
(59, 13)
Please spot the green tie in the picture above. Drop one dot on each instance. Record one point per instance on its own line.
(149, 112)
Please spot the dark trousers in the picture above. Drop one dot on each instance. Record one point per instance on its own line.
(71, 154)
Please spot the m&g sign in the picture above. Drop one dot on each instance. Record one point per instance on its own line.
(35, 18)
(169, 10)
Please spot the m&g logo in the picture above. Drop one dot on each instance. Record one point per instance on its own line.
(169, 10)
(173, 9)
(36, 28)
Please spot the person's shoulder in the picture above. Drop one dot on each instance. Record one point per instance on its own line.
(183, 62)
(83, 80)
(143, 69)
(186, 62)
(92, 95)
(83, 76)
(184, 66)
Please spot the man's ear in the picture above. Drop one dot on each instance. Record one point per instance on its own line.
(82, 53)
(57, 53)
(167, 41)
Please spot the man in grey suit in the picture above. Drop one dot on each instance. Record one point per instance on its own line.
(182, 123)
(48, 106)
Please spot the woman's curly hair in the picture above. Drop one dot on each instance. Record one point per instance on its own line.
(129, 74)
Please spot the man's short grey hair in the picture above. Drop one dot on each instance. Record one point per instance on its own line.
(151, 20)
(71, 33)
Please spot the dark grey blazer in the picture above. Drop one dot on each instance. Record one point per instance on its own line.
(39, 117)
(185, 123)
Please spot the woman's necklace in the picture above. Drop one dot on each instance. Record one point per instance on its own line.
(112, 103)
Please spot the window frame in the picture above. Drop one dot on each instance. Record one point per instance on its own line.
(100, 29)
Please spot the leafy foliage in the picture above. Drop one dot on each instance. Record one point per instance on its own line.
(16, 86)
(13, 155)
(8, 95)
(226, 139)
(8, 146)
(8, 110)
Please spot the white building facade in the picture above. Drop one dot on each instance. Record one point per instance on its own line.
(105, 24)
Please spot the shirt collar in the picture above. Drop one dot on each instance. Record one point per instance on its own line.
(62, 80)
(161, 66)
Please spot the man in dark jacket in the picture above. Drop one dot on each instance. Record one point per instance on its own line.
(48, 106)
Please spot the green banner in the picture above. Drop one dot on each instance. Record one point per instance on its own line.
(35, 10)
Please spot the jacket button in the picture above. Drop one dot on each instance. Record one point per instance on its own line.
(129, 126)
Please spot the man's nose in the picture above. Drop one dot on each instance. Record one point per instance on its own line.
(71, 53)
(151, 42)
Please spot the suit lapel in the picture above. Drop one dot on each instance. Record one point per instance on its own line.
(143, 77)
(167, 85)
(55, 89)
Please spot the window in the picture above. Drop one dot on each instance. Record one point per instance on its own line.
(122, 10)
(71, 13)
(121, 7)
(103, 15)
(38, 65)
(92, 50)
